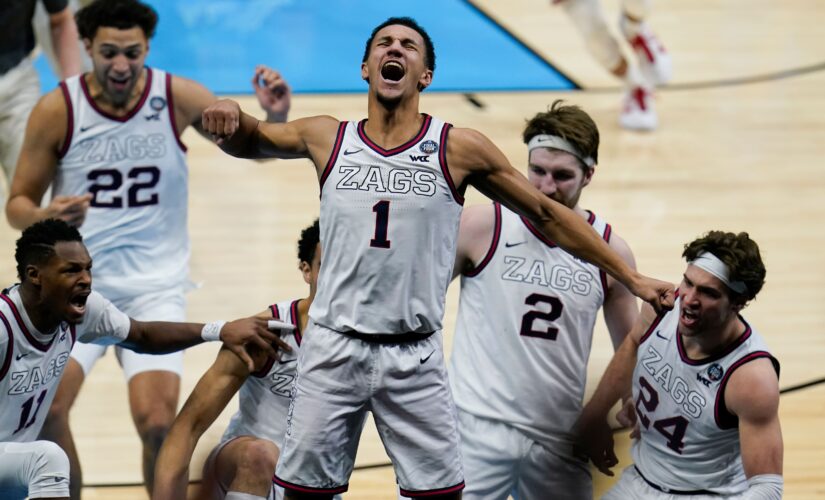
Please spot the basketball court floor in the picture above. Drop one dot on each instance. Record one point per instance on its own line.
(740, 147)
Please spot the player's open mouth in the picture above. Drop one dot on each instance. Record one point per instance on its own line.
(119, 83)
(77, 302)
(689, 318)
(392, 71)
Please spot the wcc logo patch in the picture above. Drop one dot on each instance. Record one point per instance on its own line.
(428, 147)
(157, 103)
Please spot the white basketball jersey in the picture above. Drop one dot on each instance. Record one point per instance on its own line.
(33, 362)
(689, 441)
(389, 227)
(135, 167)
(264, 396)
(524, 330)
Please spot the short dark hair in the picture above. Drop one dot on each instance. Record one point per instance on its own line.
(569, 122)
(410, 23)
(120, 14)
(310, 237)
(36, 244)
(740, 253)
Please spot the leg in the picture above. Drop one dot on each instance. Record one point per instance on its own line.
(546, 468)
(153, 399)
(36, 469)
(654, 61)
(56, 427)
(326, 414)
(416, 418)
(19, 92)
(245, 465)
(490, 454)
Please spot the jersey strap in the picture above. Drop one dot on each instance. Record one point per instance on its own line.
(9, 347)
(723, 417)
(493, 245)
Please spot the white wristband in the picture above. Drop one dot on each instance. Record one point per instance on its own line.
(212, 331)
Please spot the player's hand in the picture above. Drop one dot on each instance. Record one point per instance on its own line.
(594, 440)
(627, 418)
(273, 92)
(236, 334)
(71, 209)
(221, 120)
(659, 294)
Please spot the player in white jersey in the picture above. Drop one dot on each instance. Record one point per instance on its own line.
(41, 319)
(527, 303)
(705, 388)
(109, 141)
(391, 195)
(244, 460)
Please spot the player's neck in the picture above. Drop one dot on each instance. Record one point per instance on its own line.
(392, 126)
(102, 100)
(40, 315)
(711, 342)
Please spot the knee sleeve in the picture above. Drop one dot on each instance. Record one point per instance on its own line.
(588, 18)
(48, 470)
(637, 9)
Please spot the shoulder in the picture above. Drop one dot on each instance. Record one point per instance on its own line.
(478, 220)
(189, 95)
(51, 109)
(752, 392)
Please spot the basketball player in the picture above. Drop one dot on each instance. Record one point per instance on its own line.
(240, 467)
(527, 303)
(654, 63)
(705, 387)
(40, 320)
(391, 196)
(109, 141)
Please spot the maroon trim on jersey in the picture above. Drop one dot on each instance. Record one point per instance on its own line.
(431, 493)
(67, 140)
(33, 341)
(9, 347)
(493, 245)
(723, 417)
(336, 148)
(170, 103)
(658, 319)
(608, 231)
(591, 217)
(536, 232)
(296, 321)
(729, 349)
(269, 360)
(309, 489)
(146, 90)
(442, 160)
(425, 125)
(73, 332)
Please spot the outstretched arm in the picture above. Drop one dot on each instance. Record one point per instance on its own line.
(473, 158)
(64, 40)
(210, 396)
(244, 136)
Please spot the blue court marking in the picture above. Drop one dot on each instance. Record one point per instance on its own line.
(318, 44)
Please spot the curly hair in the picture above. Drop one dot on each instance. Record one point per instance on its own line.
(569, 122)
(739, 252)
(120, 14)
(310, 237)
(36, 244)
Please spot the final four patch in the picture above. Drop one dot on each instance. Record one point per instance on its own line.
(157, 103)
(715, 372)
(428, 147)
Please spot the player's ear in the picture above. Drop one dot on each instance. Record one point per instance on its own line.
(306, 271)
(33, 275)
(365, 75)
(425, 80)
(588, 175)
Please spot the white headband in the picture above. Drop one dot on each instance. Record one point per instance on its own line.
(716, 267)
(556, 142)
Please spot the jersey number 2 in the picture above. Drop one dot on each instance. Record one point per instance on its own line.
(649, 398)
(549, 333)
(110, 179)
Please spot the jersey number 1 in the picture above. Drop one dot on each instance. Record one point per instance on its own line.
(382, 220)
(26, 410)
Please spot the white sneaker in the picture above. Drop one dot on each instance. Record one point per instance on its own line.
(654, 61)
(638, 110)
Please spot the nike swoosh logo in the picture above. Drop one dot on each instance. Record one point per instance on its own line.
(352, 152)
(661, 336)
(83, 129)
(283, 362)
(508, 245)
(21, 356)
(424, 360)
